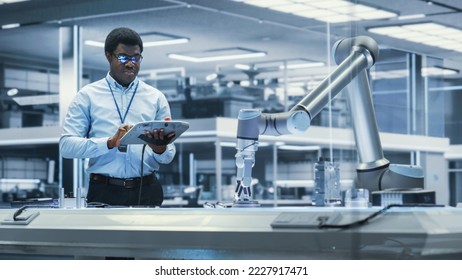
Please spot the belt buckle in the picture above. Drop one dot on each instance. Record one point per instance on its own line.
(125, 183)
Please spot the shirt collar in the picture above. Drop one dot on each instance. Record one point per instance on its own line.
(114, 83)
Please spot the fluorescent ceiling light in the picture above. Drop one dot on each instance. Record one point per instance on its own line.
(211, 77)
(303, 65)
(330, 4)
(12, 92)
(214, 58)
(11, 26)
(374, 14)
(19, 181)
(392, 74)
(94, 43)
(438, 71)
(150, 39)
(37, 99)
(319, 77)
(228, 144)
(218, 54)
(166, 42)
(279, 65)
(401, 73)
(11, 1)
(242, 66)
(145, 44)
(290, 8)
(233, 144)
(332, 11)
(299, 148)
(244, 83)
(338, 18)
(264, 3)
(431, 34)
(411, 16)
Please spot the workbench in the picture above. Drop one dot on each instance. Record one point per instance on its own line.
(233, 233)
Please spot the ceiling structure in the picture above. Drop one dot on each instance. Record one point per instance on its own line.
(211, 25)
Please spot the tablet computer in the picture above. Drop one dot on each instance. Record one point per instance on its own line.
(136, 135)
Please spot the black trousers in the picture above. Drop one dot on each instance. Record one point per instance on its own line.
(152, 194)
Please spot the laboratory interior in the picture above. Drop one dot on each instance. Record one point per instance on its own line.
(316, 129)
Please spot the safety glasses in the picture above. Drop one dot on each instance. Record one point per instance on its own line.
(123, 58)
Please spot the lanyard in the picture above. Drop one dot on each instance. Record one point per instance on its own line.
(122, 120)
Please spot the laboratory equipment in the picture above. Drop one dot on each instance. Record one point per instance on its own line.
(327, 183)
(356, 198)
(406, 196)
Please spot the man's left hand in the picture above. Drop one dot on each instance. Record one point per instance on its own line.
(158, 134)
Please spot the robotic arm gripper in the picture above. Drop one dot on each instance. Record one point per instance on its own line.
(374, 172)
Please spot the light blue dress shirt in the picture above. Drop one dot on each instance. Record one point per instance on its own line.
(93, 117)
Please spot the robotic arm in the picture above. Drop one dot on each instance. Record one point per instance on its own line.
(374, 172)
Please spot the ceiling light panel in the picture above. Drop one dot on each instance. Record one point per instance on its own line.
(11, 26)
(218, 55)
(154, 39)
(333, 11)
(438, 71)
(402, 73)
(291, 8)
(265, 3)
(279, 65)
(94, 43)
(165, 42)
(11, 1)
(150, 39)
(431, 34)
(332, 4)
(37, 99)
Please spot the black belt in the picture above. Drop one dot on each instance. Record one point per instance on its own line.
(129, 183)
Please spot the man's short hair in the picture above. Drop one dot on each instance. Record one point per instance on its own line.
(122, 35)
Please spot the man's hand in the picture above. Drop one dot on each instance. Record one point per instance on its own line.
(114, 141)
(158, 134)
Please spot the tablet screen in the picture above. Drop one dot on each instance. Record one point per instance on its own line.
(136, 135)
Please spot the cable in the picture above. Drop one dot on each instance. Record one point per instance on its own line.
(96, 204)
(373, 215)
(18, 212)
(142, 175)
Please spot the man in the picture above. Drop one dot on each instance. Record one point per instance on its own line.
(102, 112)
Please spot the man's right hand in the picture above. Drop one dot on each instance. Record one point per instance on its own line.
(114, 141)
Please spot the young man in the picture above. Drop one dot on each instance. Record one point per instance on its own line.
(102, 112)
